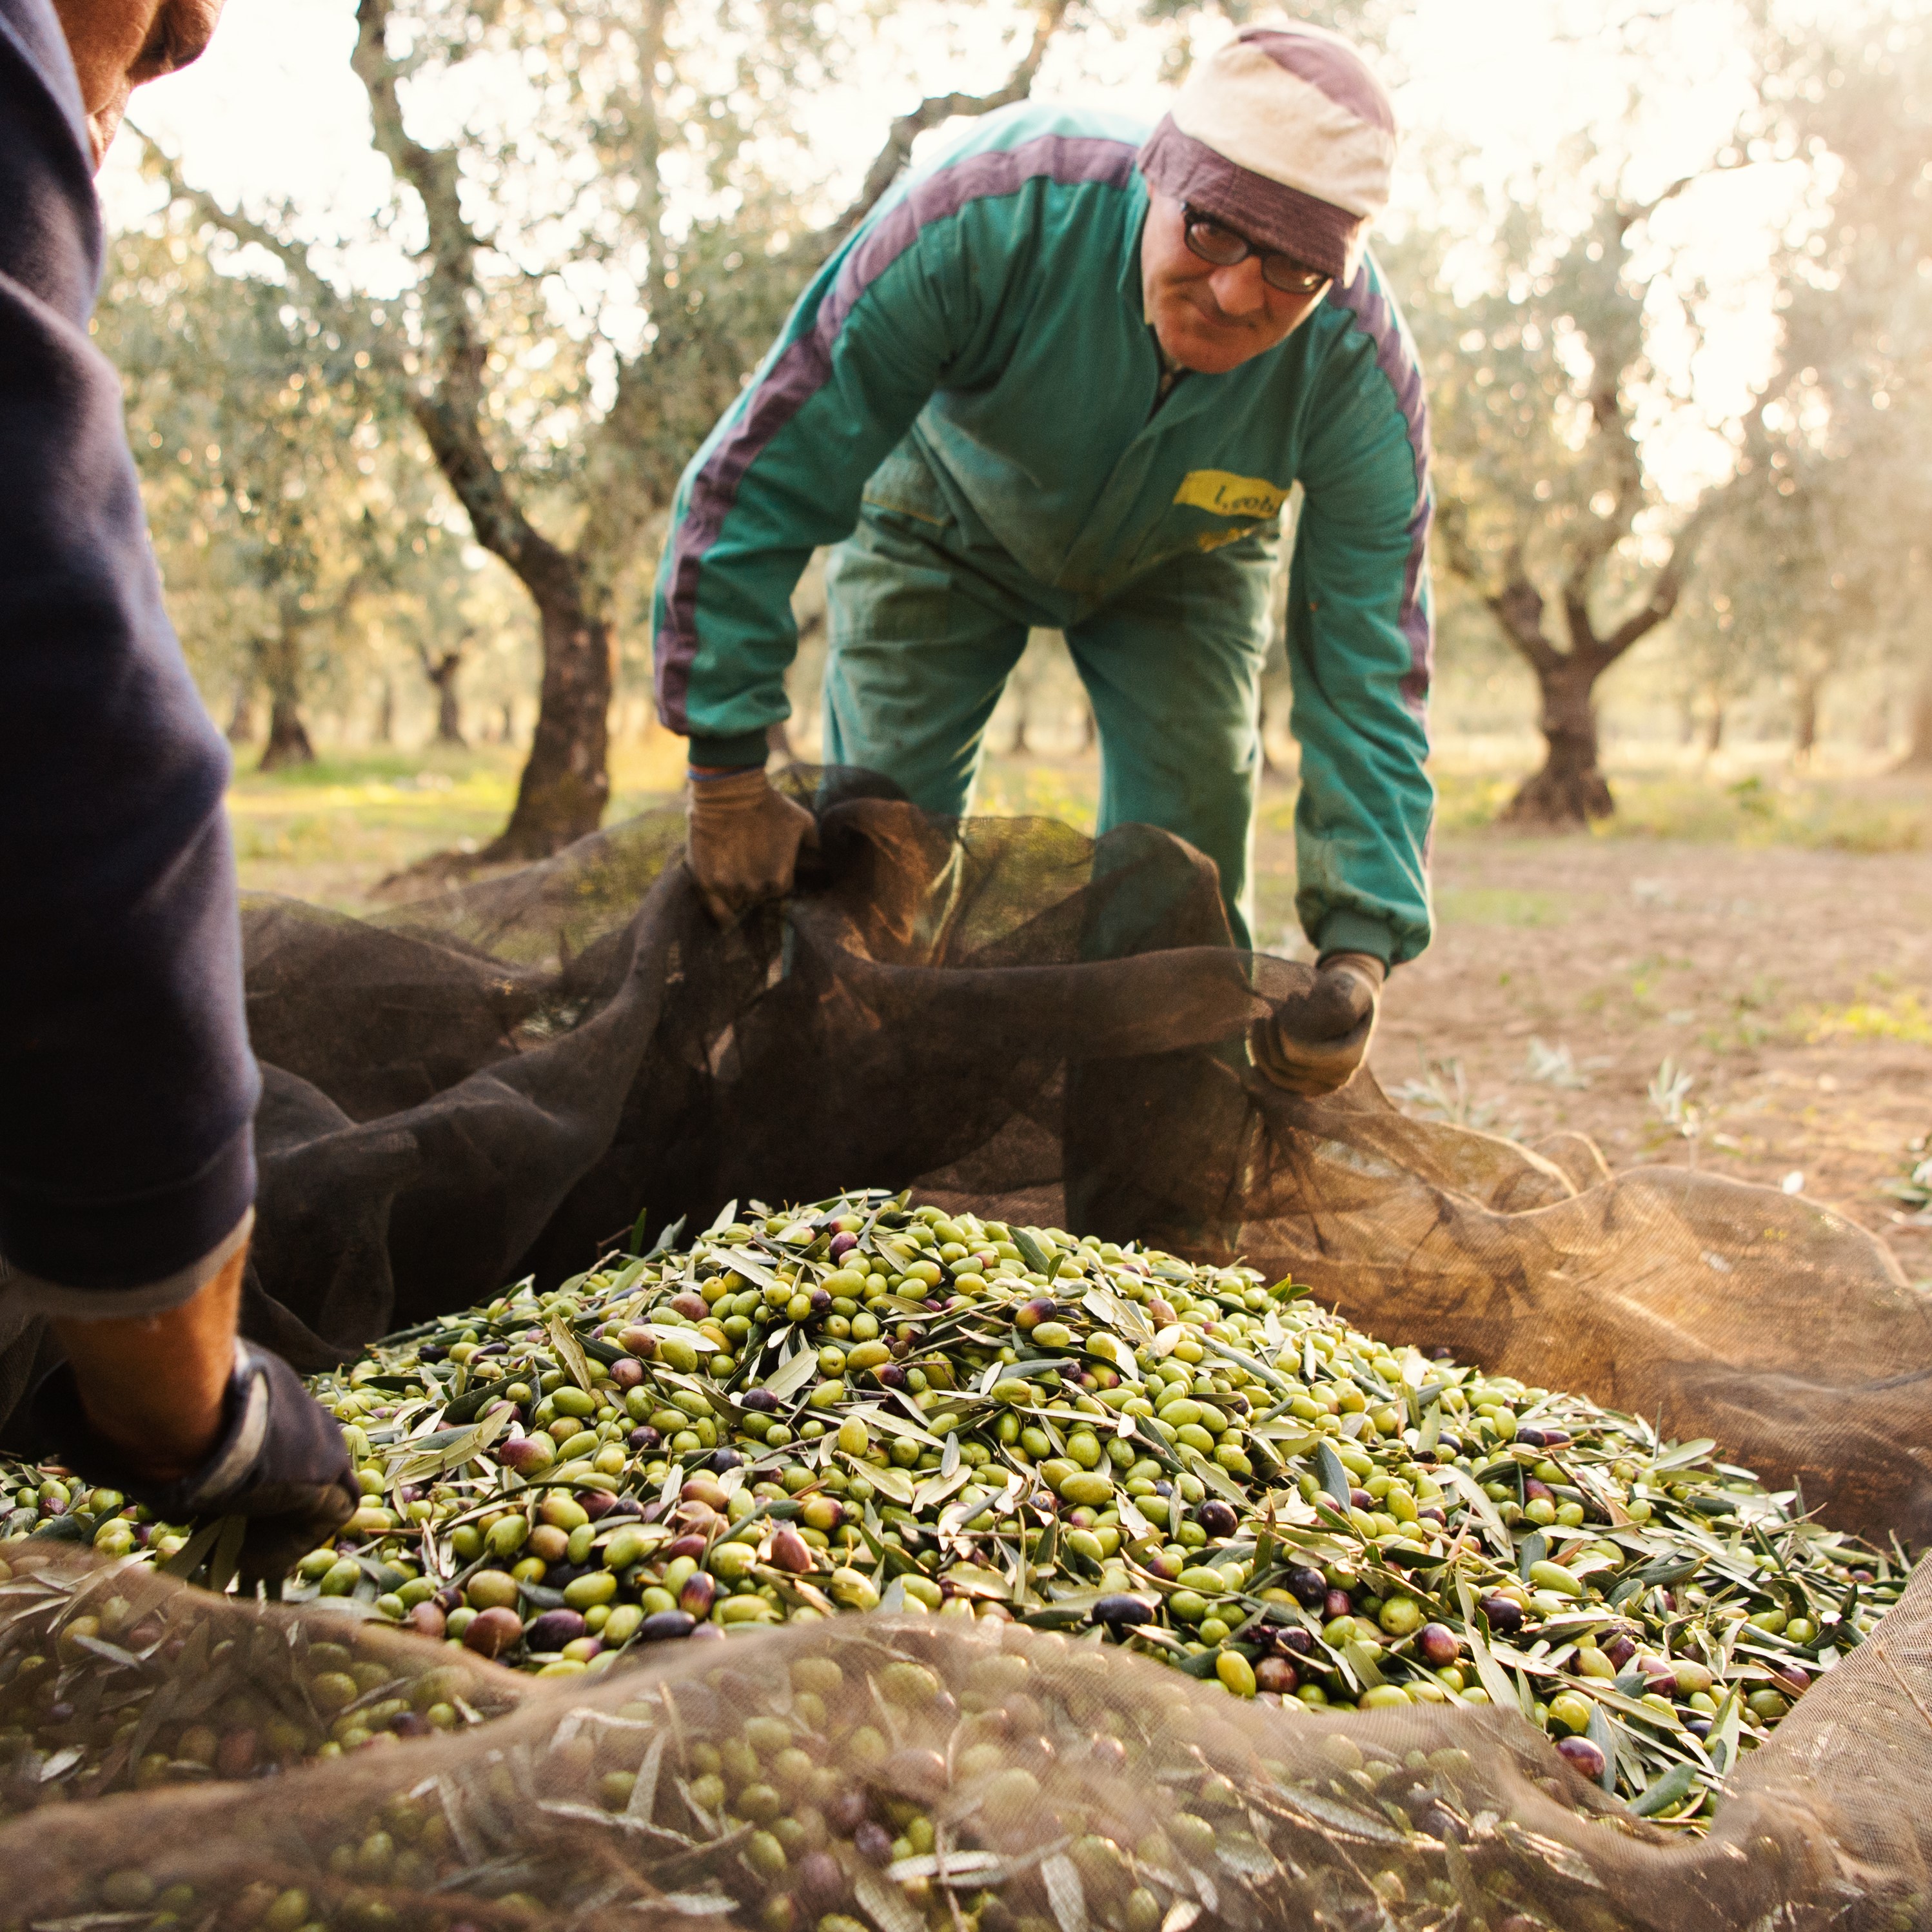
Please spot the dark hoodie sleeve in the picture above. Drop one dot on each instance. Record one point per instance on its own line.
(127, 1087)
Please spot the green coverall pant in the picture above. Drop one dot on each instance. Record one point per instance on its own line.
(923, 636)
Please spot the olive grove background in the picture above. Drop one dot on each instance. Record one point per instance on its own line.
(408, 474)
(423, 305)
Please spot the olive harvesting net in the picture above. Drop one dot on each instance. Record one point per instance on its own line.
(1578, 1458)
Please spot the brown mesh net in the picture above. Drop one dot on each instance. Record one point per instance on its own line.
(908, 1775)
(509, 1078)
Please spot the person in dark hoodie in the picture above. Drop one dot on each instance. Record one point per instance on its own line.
(127, 1087)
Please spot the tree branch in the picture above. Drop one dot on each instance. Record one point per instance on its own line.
(1629, 214)
(314, 286)
(451, 406)
(929, 113)
(1518, 607)
(1666, 588)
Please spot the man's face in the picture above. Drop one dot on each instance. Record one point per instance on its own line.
(118, 44)
(1208, 318)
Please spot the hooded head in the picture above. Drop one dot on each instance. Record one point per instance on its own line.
(1286, 136)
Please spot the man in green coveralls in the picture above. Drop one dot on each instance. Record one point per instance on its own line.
(1065, 374)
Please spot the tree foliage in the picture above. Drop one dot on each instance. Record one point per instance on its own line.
(297, 527)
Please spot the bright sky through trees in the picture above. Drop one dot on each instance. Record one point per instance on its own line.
(273, 114)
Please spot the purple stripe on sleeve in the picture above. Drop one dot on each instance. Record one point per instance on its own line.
(1375, 315)
(805, 366)
(1332, 66)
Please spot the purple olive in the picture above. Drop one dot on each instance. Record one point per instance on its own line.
(1308, 1588)
(643, 1438)
(1278, 1675)
(1555, 1438)
(1360, 1499)
(1337, 1604)
(1217, 1517)
(427, 1619)
(553, 1630)
(492, 1631)
(819, 1882)
(1534, 1492)
(626, 1371)
(1118, 1612)
(1534, 1437)
(690, 1304)
(846, 1813)
(1504, 1613)
(721, 1459)
(596, 1503)
(409, 1724)
(821, 1299)
(842, 1244)
(763, 1401)
(521, 1454)
(873, 1843)
(699, 1594)
(1620, 1649)
(914, 1773)
(891, 1375)
(1438, 1646)
(1429, 1512)
(662, 1624)
(1297, 1643)
(1582, 1755)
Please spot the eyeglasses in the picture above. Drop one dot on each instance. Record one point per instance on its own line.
(1215, 242)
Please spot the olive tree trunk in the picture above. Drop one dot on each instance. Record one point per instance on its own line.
(441, 672)
(281, 662)
(566, 781)
(1918, 727)
(1570, 789)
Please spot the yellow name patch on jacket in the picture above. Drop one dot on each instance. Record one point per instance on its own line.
(1225, 494)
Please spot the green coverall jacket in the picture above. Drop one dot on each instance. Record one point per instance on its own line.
(966, 401)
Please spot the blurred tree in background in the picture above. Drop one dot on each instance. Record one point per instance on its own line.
(599, 215)
(596, 266)
(296, 531)
(1832, 550)
(591, 289)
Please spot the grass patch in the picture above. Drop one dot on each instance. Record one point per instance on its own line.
(1469, 801)
(328, 832)
(1500, 905)
(1009, 789)
(1850, 817)
(1903, 1017)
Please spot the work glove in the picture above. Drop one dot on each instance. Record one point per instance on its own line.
(744, 840)
(1314, 1042)
(280, 1463)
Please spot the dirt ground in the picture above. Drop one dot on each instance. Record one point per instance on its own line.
(1789, 986)
(1788, 981)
